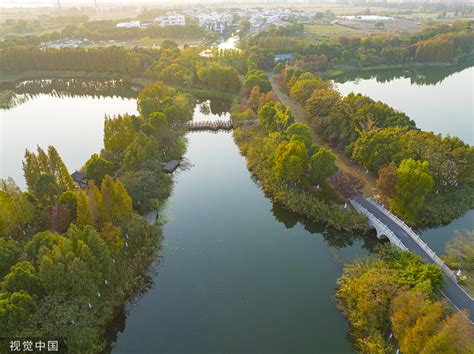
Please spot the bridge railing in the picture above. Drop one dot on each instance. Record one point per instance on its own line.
(391, 236)
(211, 125)
(446, 270)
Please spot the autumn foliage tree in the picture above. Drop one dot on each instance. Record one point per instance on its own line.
(348, 184)
(387, 180)
(421, 326)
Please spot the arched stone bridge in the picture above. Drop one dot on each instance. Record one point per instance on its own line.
(390, 226)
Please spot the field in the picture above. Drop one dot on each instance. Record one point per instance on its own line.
(328, 31)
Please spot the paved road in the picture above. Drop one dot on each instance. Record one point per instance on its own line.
(450, 289)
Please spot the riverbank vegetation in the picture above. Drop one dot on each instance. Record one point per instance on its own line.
(422, 177)
(391, 301)
(294, 171)
(69, 256)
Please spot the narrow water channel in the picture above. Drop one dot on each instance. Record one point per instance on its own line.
(237, 274)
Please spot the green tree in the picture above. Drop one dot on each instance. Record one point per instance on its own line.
(97, 167)
(414, 184)
(266, 116)
(283, 117)
(36, 166)
(277, 69)
(46, 239)
(16, 211)
(143, 152)
(321, 102)
(9, 253)
(15, 310)
(257, 78)
(69, 199)
(168, 44)
(147, 188)
(22, 276)
(303, 88)
(84, 216)
(77, 265)
(299, 131)
(322, 165)
(218, 77)
(46, 190)
(152, 98)
(59, 170)
(291, 160)
(365, 291)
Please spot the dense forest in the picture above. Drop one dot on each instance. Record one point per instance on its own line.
(70, 256)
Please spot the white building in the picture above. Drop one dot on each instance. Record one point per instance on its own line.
(171, 20)
(129, 24)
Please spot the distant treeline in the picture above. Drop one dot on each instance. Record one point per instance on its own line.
(107, 30)
(440, 43)
(108, 59)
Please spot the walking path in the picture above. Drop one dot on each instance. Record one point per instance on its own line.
(343, 163)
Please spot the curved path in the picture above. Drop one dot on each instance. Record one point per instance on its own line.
(451, 290)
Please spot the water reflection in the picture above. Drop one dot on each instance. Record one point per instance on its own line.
(28, 89)
(215, 107)
(333, 238)
(442, 103)
(74, 124)
(417, 75)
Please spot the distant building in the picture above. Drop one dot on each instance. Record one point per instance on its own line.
(129, 24)
(171, 20)
(287, 57)
(80, 179)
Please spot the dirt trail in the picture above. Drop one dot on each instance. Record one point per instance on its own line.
(344, 163)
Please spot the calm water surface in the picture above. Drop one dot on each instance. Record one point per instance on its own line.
(73, 125)
(233, 278)
(440, 105)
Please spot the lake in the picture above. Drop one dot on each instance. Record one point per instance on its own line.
(442, 104)
(74, 124)
(237, 273)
